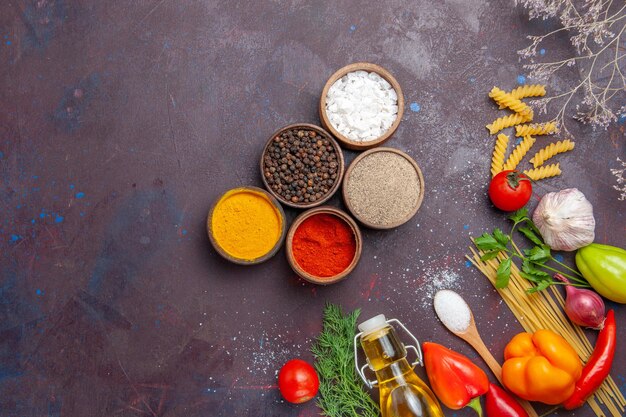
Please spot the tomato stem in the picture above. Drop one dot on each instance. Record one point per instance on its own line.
(513, 178)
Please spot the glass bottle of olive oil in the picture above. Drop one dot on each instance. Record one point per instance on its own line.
(402, 392)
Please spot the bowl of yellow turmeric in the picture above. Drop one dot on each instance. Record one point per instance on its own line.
(246, 225)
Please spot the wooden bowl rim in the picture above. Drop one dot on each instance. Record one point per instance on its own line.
(275, 248)
(340, 172)
(357, 238)
(364, 155)
(364, 66)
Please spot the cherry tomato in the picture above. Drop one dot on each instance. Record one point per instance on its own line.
(298, 381)
(510, 190)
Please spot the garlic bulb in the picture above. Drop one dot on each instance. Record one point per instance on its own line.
(565, 220)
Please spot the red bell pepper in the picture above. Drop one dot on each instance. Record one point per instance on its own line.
(498, 403)
(456, 381)
(598, 366)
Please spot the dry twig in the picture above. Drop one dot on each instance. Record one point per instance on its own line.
(597, 31)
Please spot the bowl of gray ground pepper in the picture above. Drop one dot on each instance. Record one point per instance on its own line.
(383, 188)
(302, 165)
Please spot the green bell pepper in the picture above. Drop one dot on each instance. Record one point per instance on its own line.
(604, 267)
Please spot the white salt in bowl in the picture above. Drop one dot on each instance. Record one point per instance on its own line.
(345, 141)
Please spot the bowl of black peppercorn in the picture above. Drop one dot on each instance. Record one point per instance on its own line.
(302, 165)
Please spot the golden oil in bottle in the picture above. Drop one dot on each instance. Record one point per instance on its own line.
(402, 392)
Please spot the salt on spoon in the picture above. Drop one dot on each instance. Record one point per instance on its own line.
(456, 315)
(453, 311)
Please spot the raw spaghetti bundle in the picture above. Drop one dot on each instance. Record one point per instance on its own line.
(545, 310)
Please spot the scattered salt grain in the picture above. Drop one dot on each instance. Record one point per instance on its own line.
(435, 279)
(452, 310)
(361, 105)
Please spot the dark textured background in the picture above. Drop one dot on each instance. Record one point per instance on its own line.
(120, 123)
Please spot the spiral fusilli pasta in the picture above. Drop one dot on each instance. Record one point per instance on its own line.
(535, 129)
(497, 160)
(550, 151)
(523, 114)
(543, 172)
(508, 121)
(505, 99)
(530, 90)
(518, 153)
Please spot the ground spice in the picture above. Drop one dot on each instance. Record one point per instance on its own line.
(324, 245)
(245, 224)
(383, 189)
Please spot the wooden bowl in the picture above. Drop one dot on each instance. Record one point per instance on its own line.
(357, 239)
(347, 142)
(350, 206)
(340, 167)
(274, 249)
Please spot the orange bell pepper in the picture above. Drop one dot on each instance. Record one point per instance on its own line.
(541, 367)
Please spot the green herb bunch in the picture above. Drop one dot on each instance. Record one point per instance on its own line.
(342, 392)
(534, 260)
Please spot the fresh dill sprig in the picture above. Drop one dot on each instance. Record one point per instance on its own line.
(342, 393)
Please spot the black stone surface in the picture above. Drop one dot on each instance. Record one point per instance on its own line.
(122, 121)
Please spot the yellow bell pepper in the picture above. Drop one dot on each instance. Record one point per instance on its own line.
(541, 367)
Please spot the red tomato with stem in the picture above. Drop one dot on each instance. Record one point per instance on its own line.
(298, 381)
(510, 190)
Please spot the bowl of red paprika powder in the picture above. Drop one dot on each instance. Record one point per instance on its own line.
(323, 245)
